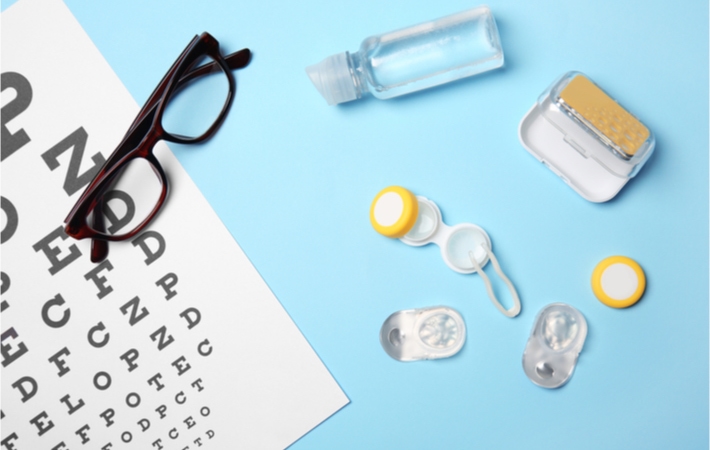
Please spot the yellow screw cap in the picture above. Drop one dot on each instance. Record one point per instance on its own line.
(394, 211)
(618, 281)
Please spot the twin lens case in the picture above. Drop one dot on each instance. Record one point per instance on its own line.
(465, 248)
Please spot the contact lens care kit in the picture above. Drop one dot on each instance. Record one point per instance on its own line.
(575, 129)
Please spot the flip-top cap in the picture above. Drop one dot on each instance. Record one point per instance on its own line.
(394, 211)
(333, 80)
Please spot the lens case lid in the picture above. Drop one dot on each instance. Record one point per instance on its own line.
(424, 333)
(618, 281)
(556, 339)
(394, 211)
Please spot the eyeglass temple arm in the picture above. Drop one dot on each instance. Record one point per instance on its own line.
(237, 60)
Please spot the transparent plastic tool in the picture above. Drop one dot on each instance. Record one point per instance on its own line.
(465, 248)
(556, 339)
(426, 333)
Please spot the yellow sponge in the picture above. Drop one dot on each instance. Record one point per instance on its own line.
(605, 117)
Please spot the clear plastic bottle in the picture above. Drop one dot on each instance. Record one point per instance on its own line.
(412, 59)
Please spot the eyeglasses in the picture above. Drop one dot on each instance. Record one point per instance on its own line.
(186, 100)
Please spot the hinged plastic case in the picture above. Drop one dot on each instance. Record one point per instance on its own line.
(556, 339)
(424, 333)
(586, 137)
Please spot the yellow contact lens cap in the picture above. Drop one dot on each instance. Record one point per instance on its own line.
(618, 281)
(394, 211)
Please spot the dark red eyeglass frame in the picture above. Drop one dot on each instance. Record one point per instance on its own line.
(145, 131)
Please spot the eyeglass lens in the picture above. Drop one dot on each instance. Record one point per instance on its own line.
(194, 107)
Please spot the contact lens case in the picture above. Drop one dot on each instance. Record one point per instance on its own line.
(425, 333)
(585, 137)
(415, 220)
(556, 339)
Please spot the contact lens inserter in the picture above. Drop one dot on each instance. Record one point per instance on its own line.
(415, 220)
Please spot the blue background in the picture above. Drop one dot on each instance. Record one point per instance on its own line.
(293, 179)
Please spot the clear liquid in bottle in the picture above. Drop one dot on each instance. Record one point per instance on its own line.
(412, 59)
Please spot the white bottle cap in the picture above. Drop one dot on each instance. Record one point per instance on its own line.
(333, 80)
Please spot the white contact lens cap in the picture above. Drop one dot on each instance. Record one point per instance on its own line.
(426, 333)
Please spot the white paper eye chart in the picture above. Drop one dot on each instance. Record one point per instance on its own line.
(161, 346)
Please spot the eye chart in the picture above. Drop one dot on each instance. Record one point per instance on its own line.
(174, 341)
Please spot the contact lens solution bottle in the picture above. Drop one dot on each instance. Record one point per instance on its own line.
(412, 59)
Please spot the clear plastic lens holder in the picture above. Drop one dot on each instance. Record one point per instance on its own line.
(556, 339)
(426, 333)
